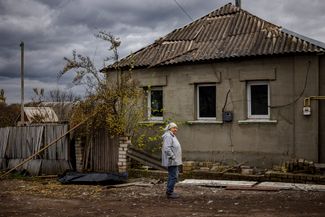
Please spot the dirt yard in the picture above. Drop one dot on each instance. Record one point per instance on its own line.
(50, 198)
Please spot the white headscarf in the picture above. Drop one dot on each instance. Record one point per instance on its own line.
(170, 125)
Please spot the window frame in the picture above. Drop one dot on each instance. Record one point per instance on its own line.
(198, 102)
(151, 117)
(248, 90)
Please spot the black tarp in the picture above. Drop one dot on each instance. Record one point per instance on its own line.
(93, 178)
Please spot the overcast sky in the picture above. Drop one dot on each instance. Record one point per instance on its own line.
(51, 29)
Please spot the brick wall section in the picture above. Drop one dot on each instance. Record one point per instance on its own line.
(79, 155)
(124, 142)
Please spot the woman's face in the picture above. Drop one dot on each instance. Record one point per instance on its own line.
(174, 130)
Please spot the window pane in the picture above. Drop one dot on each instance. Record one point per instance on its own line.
(156, 103)
(207, 101)
(259, 99)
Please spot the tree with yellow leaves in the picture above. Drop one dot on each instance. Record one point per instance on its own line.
(112, 98)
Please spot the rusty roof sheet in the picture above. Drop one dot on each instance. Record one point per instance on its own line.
(227, 32)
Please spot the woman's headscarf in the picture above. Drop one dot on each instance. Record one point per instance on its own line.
(170, 125)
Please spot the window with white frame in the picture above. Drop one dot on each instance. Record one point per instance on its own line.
(155, 103)
(258, 100)
(206, 101)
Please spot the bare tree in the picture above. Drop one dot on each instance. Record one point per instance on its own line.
(59, 95)
(114, 103)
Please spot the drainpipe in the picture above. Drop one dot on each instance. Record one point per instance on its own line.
(22, 84)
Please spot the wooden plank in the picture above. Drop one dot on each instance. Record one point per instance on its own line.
(28, 146)
(4, 136)
(22, 145)
(11, 143)
(254, 188)
(38, 144)
(3, 163)
(18, 143)
(50, 136)
(145, 159)
(146, 162)
(138, 184)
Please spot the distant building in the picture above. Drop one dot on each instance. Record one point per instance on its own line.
(62, 109)
(37, 115)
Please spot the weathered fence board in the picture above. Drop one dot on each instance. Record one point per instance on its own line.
(34, 166)
(4, 133)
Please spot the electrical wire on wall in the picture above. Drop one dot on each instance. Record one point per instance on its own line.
(230, 126)
(302, 91)
(225, 104)
(284, 105)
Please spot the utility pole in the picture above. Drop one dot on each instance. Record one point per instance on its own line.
(22, 85)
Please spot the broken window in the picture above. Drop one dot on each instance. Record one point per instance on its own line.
(155, 103)
(206, 101)
(258, 100)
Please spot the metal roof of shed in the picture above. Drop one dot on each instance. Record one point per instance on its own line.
(40, 115)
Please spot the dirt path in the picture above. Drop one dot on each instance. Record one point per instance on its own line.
(50, 198)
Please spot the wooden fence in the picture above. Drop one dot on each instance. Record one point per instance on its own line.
(18, 143)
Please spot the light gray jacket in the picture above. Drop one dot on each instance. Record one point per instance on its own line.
(171, 150)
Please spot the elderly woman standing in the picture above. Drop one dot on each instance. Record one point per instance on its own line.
(171, 157)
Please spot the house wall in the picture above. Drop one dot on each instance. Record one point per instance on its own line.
(306, 127)
(322, 110)
(290, 135)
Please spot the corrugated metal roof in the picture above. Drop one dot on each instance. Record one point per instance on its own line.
(227, 32)
(40, 115)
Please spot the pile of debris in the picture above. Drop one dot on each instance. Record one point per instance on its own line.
(217, 167)
(300, 166)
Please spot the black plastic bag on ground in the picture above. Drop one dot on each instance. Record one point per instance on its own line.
(93, 178)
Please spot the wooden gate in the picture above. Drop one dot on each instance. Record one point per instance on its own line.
(104, 151)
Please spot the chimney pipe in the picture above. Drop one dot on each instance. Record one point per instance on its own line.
(238, 3)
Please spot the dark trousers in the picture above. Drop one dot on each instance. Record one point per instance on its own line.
(172, 178)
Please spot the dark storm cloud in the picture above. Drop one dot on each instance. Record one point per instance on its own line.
(303, 17)
(99, 14)
(52, 29)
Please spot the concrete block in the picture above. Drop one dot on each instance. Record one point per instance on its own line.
(120, 163)
(123, 145)
(121, 152)
(123, 138)
(121, 156)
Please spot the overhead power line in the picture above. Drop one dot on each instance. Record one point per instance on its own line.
(184, 11)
